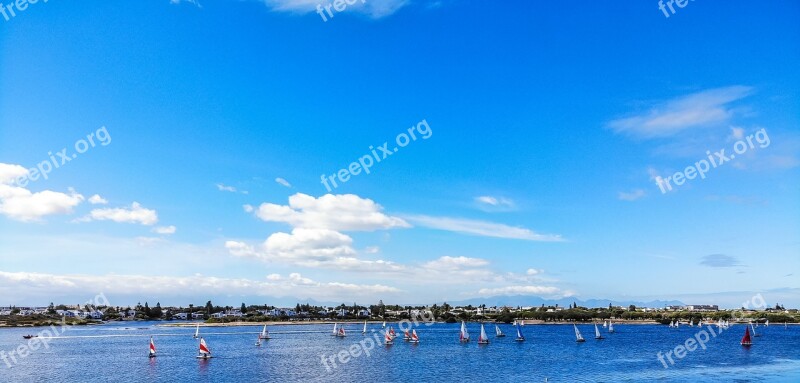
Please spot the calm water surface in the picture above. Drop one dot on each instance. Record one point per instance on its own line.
(118, 352)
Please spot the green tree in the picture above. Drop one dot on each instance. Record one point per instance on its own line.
(156, 312)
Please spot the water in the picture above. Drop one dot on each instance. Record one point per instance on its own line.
(118, 352)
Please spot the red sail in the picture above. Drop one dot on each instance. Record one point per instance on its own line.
(746, 337)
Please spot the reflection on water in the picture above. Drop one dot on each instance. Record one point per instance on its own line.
(296, 353)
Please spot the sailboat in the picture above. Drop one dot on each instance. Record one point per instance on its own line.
(384, 324)
(335, 329)
(152, 348)
(597, 332)
(605, 323)
(264, 333)
(483, 339)
(746, 338)
(388, 340)
(463, 336)
(341, 332)
(406, 336)
(611, 327)
(197, 331)
(520, 338)
(364, 331)
(754, 330)
(203, 352)
(414, 337)
(258, 341)
(766, 324)
(578, 336)
(671, 324)
(498, 332)
(691, 322)
(392, 333)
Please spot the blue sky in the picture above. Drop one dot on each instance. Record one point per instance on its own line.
(549, 124)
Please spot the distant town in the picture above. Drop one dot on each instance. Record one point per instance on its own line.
(210, 313)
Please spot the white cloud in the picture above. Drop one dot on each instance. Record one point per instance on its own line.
(736, 133)
(373, 8)
(372, 250)
(520, 290)
(26, 286)
(695, 110)
(10, 172)
(311, 248)
(97, 200)
(136, 214)
(21, 204)
(454, 263)
(533, 272)
(481, 228)
(283, 182)
(631, 196)
(194, 2)
(344, 212)
(489, 203)
(164, 229)
(222, 187)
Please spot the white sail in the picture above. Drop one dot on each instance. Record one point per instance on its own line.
(264, 331)
(204, 351)
(766, 324)
(152, 348)
(483, 338)
(497, 330)
(578, 335)
(197, 331)
(384, 324)
(335, 330)
(597, 332)
(464, 333)
(364, 331)
(610, 327)
(605, 324)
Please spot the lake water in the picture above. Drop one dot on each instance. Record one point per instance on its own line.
(118, 352)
